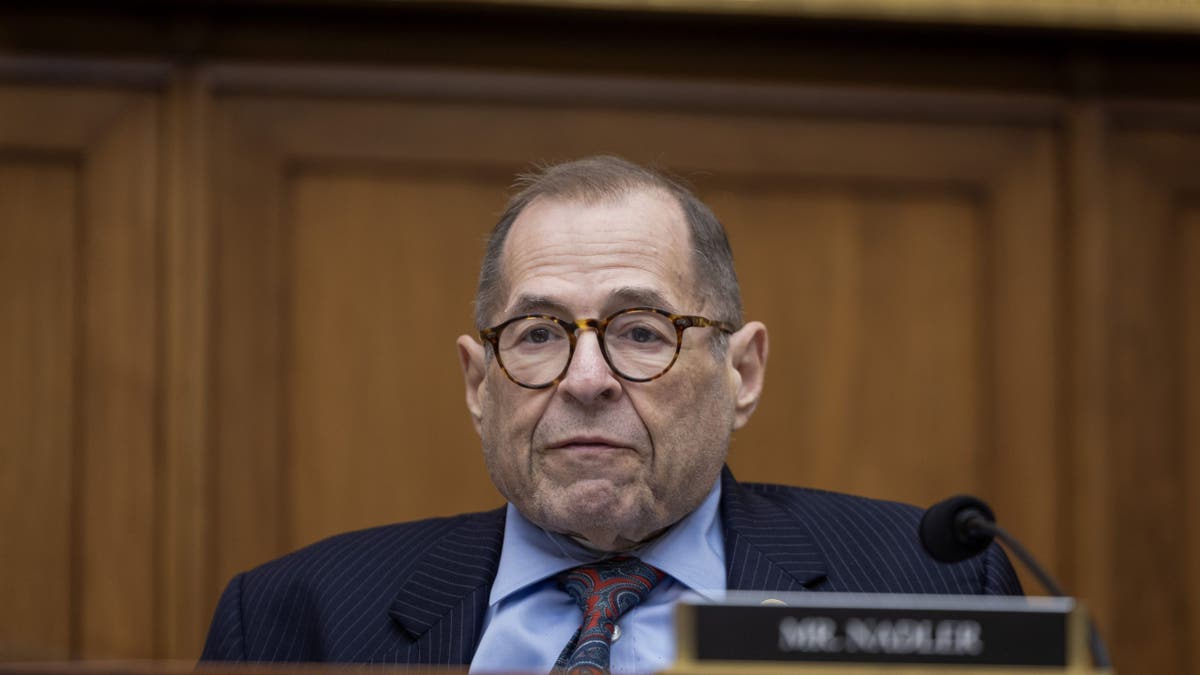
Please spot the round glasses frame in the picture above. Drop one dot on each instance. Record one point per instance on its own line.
(572, 328)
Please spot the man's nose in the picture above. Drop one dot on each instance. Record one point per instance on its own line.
(588, 378)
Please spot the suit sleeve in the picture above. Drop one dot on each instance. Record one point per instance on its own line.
(226, 635)
(999, 577)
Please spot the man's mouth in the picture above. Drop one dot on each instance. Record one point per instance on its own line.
(588, 443)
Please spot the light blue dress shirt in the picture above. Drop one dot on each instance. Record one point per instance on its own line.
(529, 620)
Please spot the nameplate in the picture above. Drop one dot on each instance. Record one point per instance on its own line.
(876, 629)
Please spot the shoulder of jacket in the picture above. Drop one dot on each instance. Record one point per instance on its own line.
(396, 541)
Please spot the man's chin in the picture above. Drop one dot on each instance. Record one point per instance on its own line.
(605, 496)
(599, 511)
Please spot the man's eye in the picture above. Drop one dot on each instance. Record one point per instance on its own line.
(539, 335)
(641, 335)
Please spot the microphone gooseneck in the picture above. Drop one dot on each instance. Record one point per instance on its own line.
(962, 527)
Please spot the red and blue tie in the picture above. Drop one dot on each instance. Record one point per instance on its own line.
(604, 591)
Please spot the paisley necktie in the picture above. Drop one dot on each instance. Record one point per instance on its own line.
(604, 591)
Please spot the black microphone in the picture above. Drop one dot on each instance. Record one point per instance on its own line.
(950, 529)
(962, 527)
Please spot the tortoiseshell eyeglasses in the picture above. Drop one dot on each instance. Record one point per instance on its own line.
(640, 344)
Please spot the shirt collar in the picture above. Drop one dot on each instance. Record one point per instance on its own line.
(691, 551)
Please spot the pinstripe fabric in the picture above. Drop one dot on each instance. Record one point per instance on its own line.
(409, 593)
(780, 538)
(416, 593)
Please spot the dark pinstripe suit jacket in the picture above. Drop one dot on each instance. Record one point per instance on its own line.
(417, 592)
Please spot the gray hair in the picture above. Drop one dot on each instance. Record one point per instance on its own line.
(595, 179)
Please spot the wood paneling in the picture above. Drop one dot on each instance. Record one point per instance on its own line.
(900, 308)
(185, 598)
(38, 254)
(229, 307)
(1087, 529)
(119, 390)
(1162, 15)
(80, 190)
(375, 421)
(876, 340)
(1189, 465)
(1154, 347)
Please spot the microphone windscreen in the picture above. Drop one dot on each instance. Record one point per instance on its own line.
(944, 533)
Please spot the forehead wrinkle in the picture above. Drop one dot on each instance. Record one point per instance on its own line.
(618, 299)
(633, 253)
(526, 276)
(564, 258)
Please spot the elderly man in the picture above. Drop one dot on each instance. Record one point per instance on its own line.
(612, 364)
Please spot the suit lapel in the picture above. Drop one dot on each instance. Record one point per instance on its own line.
(767, 548)
(441, 606)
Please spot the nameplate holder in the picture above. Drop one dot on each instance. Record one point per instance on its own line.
(755, 629)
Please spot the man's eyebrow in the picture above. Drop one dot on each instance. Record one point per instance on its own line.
(537, 304)
(638, 296)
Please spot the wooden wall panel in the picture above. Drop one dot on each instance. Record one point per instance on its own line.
(83, 204)
(872, 298)
(382, 271)
(184, 480)
(920, 339)
(120, 388)
(1086, 483)
(1155, 520)
(1189, 466)
(38, 254)
(246, 359)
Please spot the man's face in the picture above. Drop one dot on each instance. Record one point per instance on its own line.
(595, 456)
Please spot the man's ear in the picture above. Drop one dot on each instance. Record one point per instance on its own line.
(748, 358)
(471, 356)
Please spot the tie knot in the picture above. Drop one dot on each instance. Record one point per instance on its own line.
(610, 587)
